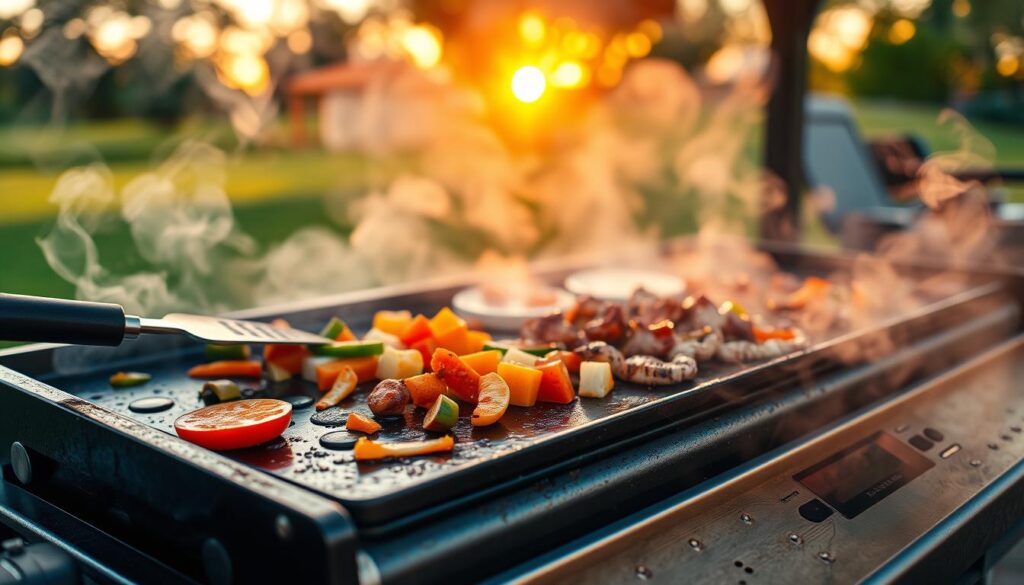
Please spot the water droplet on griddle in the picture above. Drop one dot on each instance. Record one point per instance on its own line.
(151, 404)
(332, 417)
(298, 401)
(643, 572)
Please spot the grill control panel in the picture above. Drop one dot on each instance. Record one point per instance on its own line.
(839, 506)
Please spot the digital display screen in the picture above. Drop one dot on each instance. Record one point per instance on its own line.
(861, 475)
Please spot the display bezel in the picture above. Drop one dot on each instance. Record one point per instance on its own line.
(845, 484)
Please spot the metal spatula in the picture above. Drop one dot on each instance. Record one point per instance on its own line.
(25, 318)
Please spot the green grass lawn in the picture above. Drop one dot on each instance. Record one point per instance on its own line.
(275, 191)
(882, 118)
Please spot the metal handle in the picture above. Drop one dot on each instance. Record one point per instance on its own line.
(25, 318)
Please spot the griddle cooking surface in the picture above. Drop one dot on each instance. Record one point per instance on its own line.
(301, 458)
(524, 439)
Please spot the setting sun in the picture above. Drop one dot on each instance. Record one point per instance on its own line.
(528, 84)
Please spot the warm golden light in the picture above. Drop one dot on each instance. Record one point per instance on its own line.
(300, 42)
(11, 47)
(638, 45)
(197, 35)
(528, 84)
(961, 8)
(726, 63)
(1007, 65)
(113, 33)
(840, 36)
(652, 29)
(829, 51)
(423, 44)
(12, 8)
(248, 73)
(901, 31)
(570, 74)
(532, 29)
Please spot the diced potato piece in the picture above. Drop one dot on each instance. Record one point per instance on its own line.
(311, 362)
(399, 364)
(276, 373)
(517, 356)
(596, 379)
(388, 339)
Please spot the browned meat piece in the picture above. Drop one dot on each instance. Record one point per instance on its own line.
(666, 309)
(610, 326)
(700, 313)
(640, 302)
(585, 309)
(736, 328)
(654, 340)
(647, 308)
(551, 328)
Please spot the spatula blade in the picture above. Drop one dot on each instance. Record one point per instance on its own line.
(227, 331)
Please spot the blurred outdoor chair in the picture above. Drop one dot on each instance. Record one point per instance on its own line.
(874, 184)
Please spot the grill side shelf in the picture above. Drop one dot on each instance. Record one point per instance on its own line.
(199, 512)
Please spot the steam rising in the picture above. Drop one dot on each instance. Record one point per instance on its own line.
(467, 194)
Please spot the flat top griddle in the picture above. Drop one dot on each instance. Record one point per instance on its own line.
(300, 457)
(525, 439)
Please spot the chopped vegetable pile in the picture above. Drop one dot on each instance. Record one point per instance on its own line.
(452, 371)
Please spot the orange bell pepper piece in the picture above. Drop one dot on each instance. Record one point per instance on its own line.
(444, 320)
(570, 359)
(762, 335)
(228, 369)
(361, 423)
(368, 450)
(812, 288)
(461, 379)
(365, 369)
(287, 357)
(483, 362)
(555, 383)
(455, 339)
(425, 346)
(343, 387)
(392, 322)
(475, 340)
(416, 330)
(424, 389)
(523, 383)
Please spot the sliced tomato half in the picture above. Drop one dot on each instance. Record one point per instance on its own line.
(236, 424)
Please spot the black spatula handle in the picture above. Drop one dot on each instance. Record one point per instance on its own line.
(25, 318)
